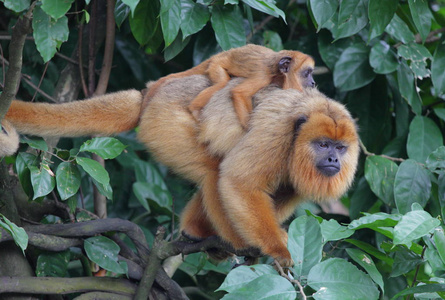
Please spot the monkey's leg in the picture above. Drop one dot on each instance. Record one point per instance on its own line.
(253, 215)
(242, 96)
(194, 220)
(219, 76)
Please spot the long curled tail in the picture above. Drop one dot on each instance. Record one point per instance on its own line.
(102, 115)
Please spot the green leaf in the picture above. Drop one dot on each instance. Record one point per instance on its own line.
(332, 231)
(424, 137)
(417, 55)
(152, 195)
(170, 16)
(436, 160)
(194, 17)
(48, 33)
(144, 21)
(272, 40)
(133, 4)
(226, 22)
(105, 147)
(56, 8)
(414, 225)
(371, 250)
(437, 67)
(22, 163)
(407, 88)
(330, 51)
(412, 185)
(352, 17)
(366, 262)
(439, 240)
(104, 252)
(422, 16)
(399, 30)
(305, 244)
(335, 276)
(53, 264)
(17, 5)
(94, 169)
(35, 143)
(121, 12)
(18, 233)
(264, 287)
(380, 174)
(352, 69)
(176, 47)
(382, 58)
(147, 172)
(242, 275)
(427, 288)
(104, 189)
(42, 180)
(68, 180)
(376, 220)
(380, 14)
(323, 10)
(267, 7)
(404, 262)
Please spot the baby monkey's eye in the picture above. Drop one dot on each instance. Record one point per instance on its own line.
(323, 145)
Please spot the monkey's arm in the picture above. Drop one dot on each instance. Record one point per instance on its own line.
(105, 115)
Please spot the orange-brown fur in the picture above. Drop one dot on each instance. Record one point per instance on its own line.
(249, 181)
(258, 64)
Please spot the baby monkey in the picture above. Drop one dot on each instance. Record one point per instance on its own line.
(260, 66)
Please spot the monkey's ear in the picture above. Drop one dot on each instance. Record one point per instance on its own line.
(300, 121)
(283, 64)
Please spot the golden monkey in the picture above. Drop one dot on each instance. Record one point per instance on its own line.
(298, 146)
(260, 66)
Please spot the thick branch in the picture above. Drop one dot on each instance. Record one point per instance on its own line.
(55, 285)
(19, 33)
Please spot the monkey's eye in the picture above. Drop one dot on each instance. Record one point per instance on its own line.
(340, 148)
(323, 145)
(306, 73)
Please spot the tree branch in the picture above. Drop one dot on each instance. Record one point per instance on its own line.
(367, 153)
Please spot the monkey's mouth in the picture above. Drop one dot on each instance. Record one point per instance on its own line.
(328, 170)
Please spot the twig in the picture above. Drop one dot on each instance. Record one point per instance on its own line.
(281, 271)
(367, 153)
(417, 271)
(40, 82)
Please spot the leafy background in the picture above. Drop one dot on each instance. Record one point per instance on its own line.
(385, 59)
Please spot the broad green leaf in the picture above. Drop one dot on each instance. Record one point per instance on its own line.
(352, 17)
(380, 174)
(439, 240)
(67, 179)
(194, 17)
(242, 275)
(417, 55)
(176, 47)
(53, 264)
(152, 195)
(144, 22)
(323, 10)
(56, 8)
(147, 172)
(405, 78)
(405, 261)
(35, 143)
(332, 231)
(267, 7)
(272, 40)
(412, 185)
(352, 69)
(121, 12)
(427, 288)
(362, 198)
(330, 51)
(17, 5)
(399, 30)
(103, 252)
(22, 163)
(422, 16)
(382, 58)
(264, 287)
(436, 160)
(132, 4)
(105, 147)
(42, 180)
(440, 112)
(305, 244)
(227, 22)
(371, 250)
(424, 137)
(104, 189)
(414, 225)
(170, 16)
(94, 169)
(380, 14)
(18, 233)
(48, 33)
(437, 67)
(366, 262)
(335, 276)
(375, 220)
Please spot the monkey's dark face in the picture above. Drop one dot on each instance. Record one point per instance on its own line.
(328, 156)
(306, 78)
